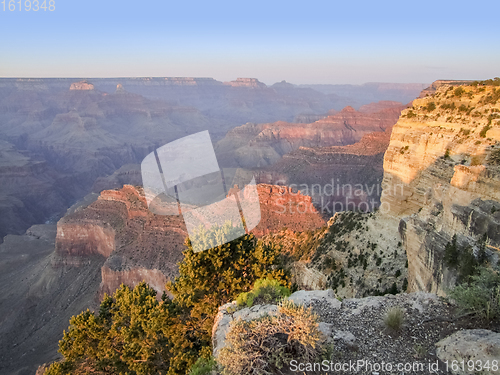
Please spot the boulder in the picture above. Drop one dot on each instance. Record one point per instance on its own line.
(306, 297)
(479, 345)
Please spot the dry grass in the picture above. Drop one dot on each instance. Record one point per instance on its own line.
(265, 345)
(394, 318)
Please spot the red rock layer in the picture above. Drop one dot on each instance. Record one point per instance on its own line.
(281, 207)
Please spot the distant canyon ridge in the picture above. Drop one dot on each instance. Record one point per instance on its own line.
(62, 138)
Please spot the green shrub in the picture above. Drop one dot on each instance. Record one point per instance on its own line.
(458, 91)
(266, 345)
(265, 291)
(448, 106)
(411, 114)
(431, 106)
(420, 351)
(405, 284)
(481, 295)
(451, 253)
(394, 318)
(203, 366)
(484, 131)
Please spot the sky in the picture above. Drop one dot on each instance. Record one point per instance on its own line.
(302, 42)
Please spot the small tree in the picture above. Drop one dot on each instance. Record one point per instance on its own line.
(132, 333)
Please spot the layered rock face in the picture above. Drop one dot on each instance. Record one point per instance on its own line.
(442, 178)
(335, 176)
(261, 145)
(282, 207)
(137, 245)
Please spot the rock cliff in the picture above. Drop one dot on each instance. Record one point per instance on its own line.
(261, 145)
(281, 207)
(136, 244)
(442, 178)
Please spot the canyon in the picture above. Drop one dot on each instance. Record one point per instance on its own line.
(102, 242)
(83, 130)
(435, 161)
(440, 186)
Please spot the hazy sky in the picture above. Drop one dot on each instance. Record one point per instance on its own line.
(301, 42)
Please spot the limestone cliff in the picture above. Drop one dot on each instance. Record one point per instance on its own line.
(442, 178)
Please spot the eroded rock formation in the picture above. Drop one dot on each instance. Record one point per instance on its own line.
(281, 207)
(138, 245)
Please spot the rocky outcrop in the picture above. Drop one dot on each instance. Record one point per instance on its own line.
(439, 180)
(282, 207)
(81, 86)
(136, 244)
(356, 328)
(139, 245)
(253, 83)
(441, 82)
(480, 346)
(356, 255)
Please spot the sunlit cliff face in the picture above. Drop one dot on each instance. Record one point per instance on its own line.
(459, 127)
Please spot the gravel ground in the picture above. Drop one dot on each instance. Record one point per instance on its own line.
(409, 350)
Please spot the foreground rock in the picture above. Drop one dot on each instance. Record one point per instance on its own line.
(478, 345)
(357, 329)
